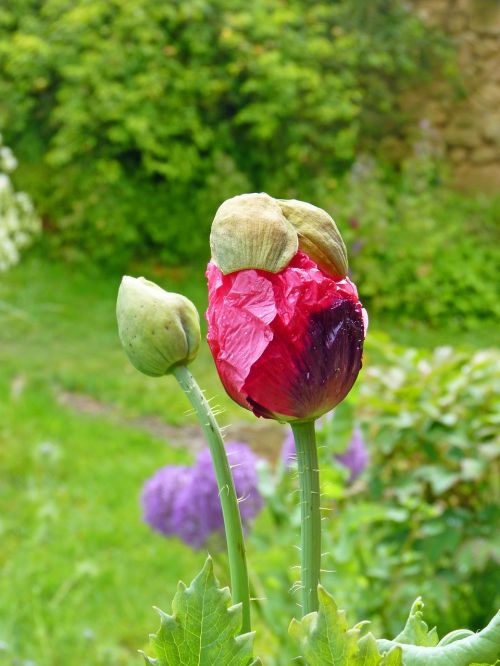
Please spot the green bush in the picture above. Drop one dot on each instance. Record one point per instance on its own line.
(418, 250)
(137, 119)
(422, 517)
(424, 523)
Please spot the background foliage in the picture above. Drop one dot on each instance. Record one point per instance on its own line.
(419, 250)
(418, 521)
(132, 121)
(147, 116)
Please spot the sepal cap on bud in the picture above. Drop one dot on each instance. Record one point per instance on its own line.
(158, 329)
(318, 235)
(250, 231)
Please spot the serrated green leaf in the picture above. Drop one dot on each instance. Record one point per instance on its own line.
(482, 648)
(203, 628)
(369, 654)
(325, 638)
(393, 658)
(416, 631)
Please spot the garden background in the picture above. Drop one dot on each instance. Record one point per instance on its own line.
(127, 124)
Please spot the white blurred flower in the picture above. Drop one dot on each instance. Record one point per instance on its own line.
(18, 220)
(7, 160)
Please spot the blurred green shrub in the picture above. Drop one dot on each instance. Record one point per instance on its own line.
(423, 518)
(431, 422)
(418, 250)
(138, 118)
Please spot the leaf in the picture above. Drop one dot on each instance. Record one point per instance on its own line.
(203, 628)
(456, 635)
(324, 635)
(416, 631)
(369, 654)
(325, 638)
(481, 649)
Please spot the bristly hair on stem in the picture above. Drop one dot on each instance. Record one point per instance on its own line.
(240, 588)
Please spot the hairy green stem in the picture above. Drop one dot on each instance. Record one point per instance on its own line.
(307, 459)
(229, 502)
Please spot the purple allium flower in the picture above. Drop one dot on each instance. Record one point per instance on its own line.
(355, 457)
(160, 495)
(185, 500)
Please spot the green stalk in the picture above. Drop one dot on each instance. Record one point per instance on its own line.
(307, 459)
(229, 502)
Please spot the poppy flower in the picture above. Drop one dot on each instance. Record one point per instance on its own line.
(287, 344)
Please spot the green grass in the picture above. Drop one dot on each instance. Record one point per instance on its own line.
(80, 571)
(59, 328)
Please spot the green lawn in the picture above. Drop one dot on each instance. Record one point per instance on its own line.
(80, 572)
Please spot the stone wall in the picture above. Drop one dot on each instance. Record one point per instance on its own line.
(466, 115)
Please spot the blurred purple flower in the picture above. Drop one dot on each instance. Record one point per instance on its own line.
(185, 500)
(160, 496)
(355, 458)
(288, 453)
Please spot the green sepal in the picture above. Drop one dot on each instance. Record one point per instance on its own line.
(250, 231)
(318, 235)
(203, 627)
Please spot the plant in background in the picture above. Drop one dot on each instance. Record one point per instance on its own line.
(296, 248)
(18, 220)
(184, 501)
(389, 213)
(419, 518)
(432, 423)
(195, 102)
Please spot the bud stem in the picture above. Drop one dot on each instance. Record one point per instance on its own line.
(229, 502)
(307, 459)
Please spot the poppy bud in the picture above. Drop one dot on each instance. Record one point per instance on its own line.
(158, 329)
(285, 327)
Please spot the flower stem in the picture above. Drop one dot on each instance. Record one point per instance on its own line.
(229, 502)
(307, 458)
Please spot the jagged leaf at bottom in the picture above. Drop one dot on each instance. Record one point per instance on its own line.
(203, 627)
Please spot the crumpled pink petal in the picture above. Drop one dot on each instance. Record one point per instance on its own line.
(286, 345)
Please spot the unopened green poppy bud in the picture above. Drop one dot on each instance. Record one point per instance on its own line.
(250, 231)
(318, 235)
(159, 330)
